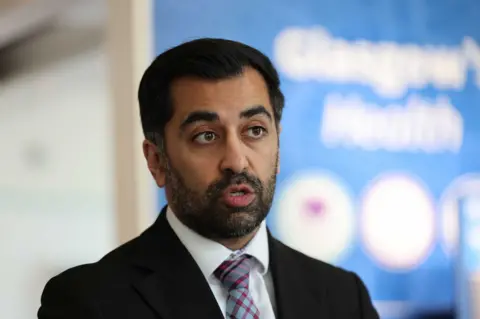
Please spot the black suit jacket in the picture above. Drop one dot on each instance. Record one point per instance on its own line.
(154, 277)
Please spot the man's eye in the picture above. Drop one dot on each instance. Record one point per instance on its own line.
(256, 132)
(205, 137)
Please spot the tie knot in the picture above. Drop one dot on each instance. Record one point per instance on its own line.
(234, 273)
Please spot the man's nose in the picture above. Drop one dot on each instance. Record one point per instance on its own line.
(234, 157)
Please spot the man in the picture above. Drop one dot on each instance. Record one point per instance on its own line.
(211, 112)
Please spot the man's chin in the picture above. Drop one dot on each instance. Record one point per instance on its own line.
(243, 220)
(238, 232)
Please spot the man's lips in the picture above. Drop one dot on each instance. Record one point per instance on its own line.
(238, 195)
(239, 188)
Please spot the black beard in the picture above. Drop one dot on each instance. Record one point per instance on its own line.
(206, 214)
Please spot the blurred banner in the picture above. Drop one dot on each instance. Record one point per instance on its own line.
(468, 270)
(381, 131)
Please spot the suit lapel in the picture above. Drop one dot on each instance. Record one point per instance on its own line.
(175, 286)
(179, 295)
(295, 295)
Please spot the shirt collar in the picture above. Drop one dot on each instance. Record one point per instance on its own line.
(209, 254)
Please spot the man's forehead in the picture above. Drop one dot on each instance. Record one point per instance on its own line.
(226, 99)
(250, 82)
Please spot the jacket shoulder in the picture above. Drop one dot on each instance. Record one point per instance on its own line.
(89, 279)
(343, 288)
(314, 266)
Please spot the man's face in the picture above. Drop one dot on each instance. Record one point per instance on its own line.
(221, 154)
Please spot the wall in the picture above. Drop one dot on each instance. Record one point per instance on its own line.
(56, 162)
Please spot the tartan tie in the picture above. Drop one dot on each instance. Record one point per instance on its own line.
(234, 275)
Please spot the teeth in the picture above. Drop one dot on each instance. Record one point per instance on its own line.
(237, 193)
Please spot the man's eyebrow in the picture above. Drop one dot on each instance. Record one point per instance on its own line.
(199, 116)
(256, 110)
(208, 116)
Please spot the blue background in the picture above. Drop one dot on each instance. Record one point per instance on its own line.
(439, 22)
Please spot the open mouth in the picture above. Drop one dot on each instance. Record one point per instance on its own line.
(238, 195)
(238, 190)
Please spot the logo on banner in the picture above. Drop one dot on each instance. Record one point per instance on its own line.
(315, 215)
(397, 222)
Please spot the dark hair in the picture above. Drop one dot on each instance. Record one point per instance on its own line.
(206, 58)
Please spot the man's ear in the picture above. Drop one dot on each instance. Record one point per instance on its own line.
(154, 162)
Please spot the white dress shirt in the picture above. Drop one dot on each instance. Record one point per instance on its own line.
(209, 254)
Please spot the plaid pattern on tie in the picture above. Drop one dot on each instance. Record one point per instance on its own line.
(234, 275)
